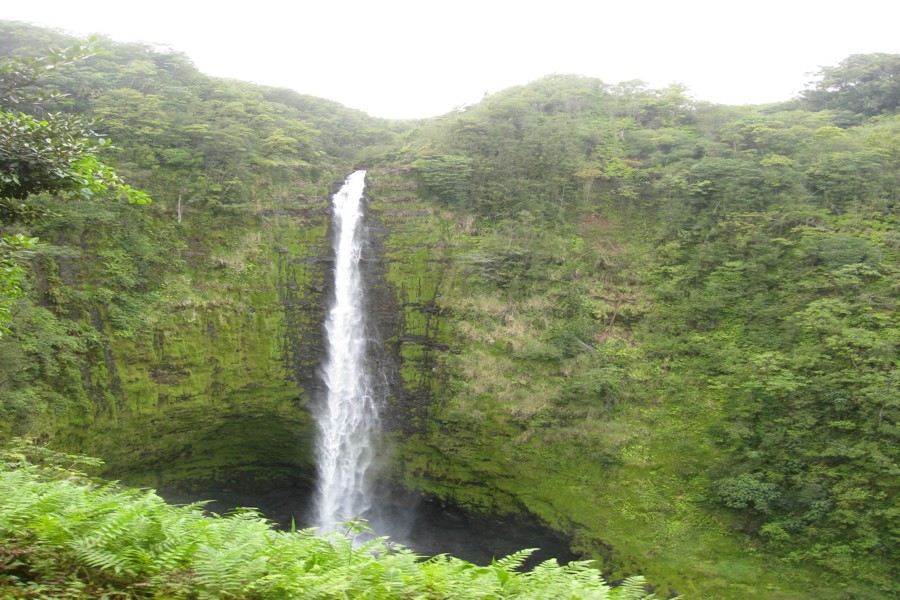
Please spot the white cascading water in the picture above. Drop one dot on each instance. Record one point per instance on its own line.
(349, 417)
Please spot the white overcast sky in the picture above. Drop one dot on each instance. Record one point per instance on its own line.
(410, 59)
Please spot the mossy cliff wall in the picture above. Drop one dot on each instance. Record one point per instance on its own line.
(213, 394)
(525, 394)
(205, 387)
(408, 238)
(419, 250)
(185, 353)
(192, 367)
(501, 397)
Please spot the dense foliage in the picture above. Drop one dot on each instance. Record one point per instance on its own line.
(65, 536)
(55, 153)
(219, 158)
(649, 273)
(861, 85)
(666, 328)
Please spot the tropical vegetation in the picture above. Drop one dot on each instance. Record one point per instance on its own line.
(664, 328)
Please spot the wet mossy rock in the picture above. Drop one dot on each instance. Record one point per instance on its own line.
(216, 396)
(218, 392)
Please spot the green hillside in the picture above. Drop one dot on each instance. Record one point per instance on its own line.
(664, 328)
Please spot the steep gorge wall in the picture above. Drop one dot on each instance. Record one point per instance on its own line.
(491, 408)
(215, 396)
(408, 240)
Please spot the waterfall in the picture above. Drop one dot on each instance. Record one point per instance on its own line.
(348, 417)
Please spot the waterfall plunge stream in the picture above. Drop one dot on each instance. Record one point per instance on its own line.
(348, 418)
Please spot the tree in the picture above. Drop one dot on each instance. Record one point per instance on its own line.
(446, 177)
(867, 84)
(54, 153)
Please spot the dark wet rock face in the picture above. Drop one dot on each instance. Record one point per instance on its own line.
(427, 526)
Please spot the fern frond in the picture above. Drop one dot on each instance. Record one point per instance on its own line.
(634, 588)
(515, 560)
